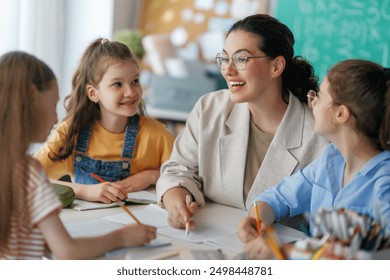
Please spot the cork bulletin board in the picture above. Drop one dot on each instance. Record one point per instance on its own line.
(195, 16)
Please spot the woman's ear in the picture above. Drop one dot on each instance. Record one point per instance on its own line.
(92, 94)
(279, 63)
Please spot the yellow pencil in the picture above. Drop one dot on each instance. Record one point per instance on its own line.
(273, 244)
(257, 218)
(318, 253)
(121, 205)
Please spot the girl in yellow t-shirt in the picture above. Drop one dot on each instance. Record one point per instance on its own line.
(105, 131)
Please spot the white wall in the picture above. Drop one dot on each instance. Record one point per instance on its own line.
(84, 21)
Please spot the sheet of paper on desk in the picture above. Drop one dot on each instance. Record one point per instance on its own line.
(203, 232)
(150, 215)
(232, 243)
(229, 242)
(287, 234)
(160, 241)
(90, 228)
(141, 197)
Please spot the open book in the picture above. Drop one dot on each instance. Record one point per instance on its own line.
(139, 197)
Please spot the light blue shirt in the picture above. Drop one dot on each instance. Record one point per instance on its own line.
(319, 185)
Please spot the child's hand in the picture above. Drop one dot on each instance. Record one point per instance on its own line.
(137, 235)
(107, 192)
(139, 181)
(178, 213)
(258, 249)
(247, 229)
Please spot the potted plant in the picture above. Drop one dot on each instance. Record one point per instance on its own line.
(132, 38)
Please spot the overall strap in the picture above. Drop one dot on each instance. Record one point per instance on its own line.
(82, 140)
(130, 136)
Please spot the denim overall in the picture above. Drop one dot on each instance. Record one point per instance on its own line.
(110, 171)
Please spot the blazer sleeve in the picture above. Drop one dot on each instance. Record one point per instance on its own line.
(182, 169)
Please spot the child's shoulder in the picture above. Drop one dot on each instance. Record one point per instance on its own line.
(151, 126)
(150, 122)
(33, 167)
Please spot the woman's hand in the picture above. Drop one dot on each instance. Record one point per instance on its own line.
(179, 213)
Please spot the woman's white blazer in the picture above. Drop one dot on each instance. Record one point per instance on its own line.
(209, 154)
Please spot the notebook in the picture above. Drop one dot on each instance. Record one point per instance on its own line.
(139, 197)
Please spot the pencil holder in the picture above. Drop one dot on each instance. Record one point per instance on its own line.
(344, 234)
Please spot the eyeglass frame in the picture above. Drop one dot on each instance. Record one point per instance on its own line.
(313, 95)
(220, 55)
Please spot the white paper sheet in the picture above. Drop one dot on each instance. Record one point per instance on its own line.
(203, 231)
(151, 215)
(91, 228)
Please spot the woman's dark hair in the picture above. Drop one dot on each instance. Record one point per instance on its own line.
(276, 39)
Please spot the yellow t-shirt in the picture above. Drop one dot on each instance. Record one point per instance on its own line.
(153, 146)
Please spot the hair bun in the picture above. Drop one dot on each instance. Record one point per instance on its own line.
(386, 73)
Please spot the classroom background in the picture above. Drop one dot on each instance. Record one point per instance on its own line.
(177, 39)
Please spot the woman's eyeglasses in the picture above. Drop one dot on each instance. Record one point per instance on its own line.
(312, 96)
(239, 60)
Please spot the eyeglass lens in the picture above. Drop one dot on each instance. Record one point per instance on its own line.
(239, 61)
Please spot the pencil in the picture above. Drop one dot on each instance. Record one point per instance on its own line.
(188, 202)
(273, 244)
(319, 252)
(97, 177)
(121, 205)
(257, 217)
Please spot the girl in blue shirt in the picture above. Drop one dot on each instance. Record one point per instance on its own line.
(351, 109)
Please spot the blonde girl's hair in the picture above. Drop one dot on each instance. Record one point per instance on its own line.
(81, 111)
(19, 72)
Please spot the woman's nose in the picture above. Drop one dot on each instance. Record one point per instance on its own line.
(229, 68)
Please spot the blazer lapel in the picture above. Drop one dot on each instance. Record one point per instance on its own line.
(232, 152)
(279, 162)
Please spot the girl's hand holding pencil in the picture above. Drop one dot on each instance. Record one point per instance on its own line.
(249, 229)
(106, 192)
(140, 233)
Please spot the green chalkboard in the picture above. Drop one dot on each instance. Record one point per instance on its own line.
(328, 31)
